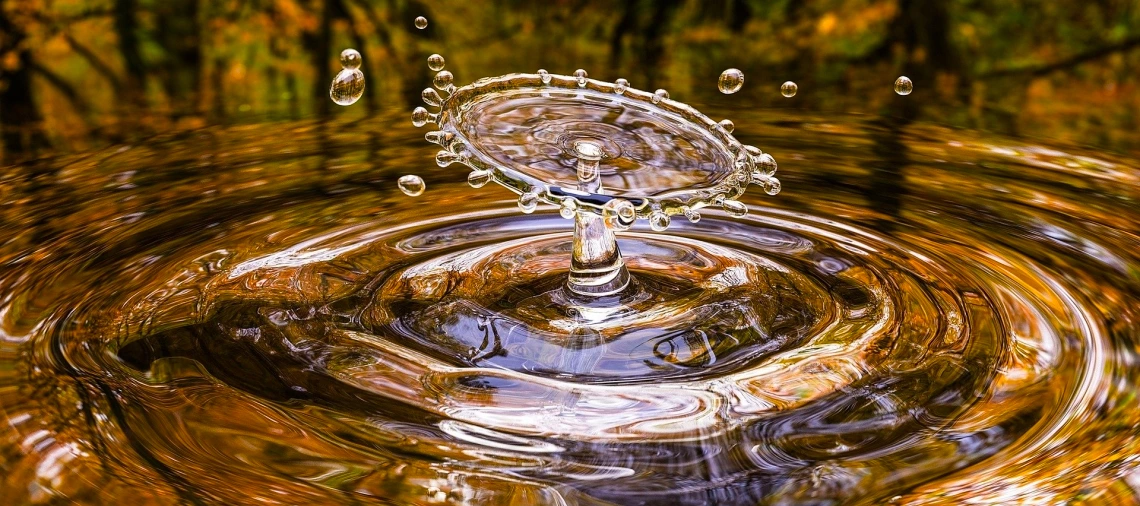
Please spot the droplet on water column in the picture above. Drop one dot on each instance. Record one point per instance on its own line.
(569, 208)
(431, 97)
(659, 95)
(528, 202)
(435, 62)
(658, 221)
(411, 184)
(620, 86)
(420, 117)
(730, 81)
(347, 87)
(903, 85)
(580, 75)
(789, 89)
(735, 208)
(772, 186)
(421, 22)
(443, 80)
(727, 125)
(544, 75)
(479, 178)
(350, 58)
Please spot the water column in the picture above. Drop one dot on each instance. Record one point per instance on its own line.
(596, 266)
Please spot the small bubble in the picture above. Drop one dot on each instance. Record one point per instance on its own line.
(443, 80)
(903, 85)
(730, 81)
(735, 208)
(350, 59)
(580, 75)
(620, 86)
(659, 95)
(479, 178)
(421, 22)
(420, 117)
(412, 185)
(658, 221)
(727, 125)
(772, 186)
(528, 202)
(435, 62)
(789, 89)
(347, 87)
(431, 97)
(569, 208)
(544, 75)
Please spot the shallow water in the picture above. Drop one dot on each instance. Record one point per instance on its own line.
(245, 314)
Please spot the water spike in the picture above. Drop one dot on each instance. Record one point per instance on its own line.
(772, 186)
(479, 178)
(434, 137)
(444, 81)
(734, 208)
(528, 202)
(431, 97)
(744, 161)
(766, 165)
(445, 158)
(421, 117)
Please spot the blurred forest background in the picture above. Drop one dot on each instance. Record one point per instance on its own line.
(76, 74)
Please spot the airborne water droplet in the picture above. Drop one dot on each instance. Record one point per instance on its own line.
(421, 22)
(580, 75)
(435, 62)
(620, 86)
(544, 75)
(528, 202)
(347, 87)
(903, 85)
(350, 58)
(730, 81)
(479, 178)
(659, 95)
(443, 80)
(789, 89)
(411, 184)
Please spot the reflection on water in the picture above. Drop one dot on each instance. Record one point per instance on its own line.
(253, 313)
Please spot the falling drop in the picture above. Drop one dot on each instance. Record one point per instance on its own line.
(412, 185)
(772, 186)
(660, 95)
(435, 62)
(727, 125)
(431, 97)
(479, 178)
(544, 75)
(789, 89)
(443, 80)
(420, 117)
(528, 202)
(350, 59)
(735, 208)
(421, 22)
(658, 221)
(347, 87)
(730, 81)
(580, 75)
(620, 86)
(569, 208)
(903, 85)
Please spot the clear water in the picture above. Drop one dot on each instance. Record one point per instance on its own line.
(923, 315)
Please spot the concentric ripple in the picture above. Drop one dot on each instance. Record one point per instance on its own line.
(268, 337)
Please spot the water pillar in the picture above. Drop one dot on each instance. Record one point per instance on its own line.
(596, 266)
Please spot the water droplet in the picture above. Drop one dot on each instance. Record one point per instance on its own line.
(620, 86)
(421, 22)
(350, 59)
(789, 89)
(765, 164)
(431, 97)
(658, 221)
(443, 80)
(691, 215)
(411, 184)
(445, 158)
(420, 117)
(544, 75)
(437, 137)
(730, 81)
(903, 85)
(569, 208)
(479, 178)
(347, 87)
(735, 208)
(727, 125)
(435, 62)
(660, 95)
(619, 214)
(772, 186)
(528, 202)
(580, 75)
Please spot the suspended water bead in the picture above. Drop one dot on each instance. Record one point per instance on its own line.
(528, 202)
(903, 85)
(772, 186)
(789, 89)
(620, 86)
(727, 125)
(730, 81)
(350, 58)
(411, 184)
(435, 62)
(580, 75)
(443, 80)
(658, 221)
(544, 75)
(420, 117)
(569, 208)
(734, 208)
(660, 95)
(421, 22)
(347, 87)
(479, 178)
